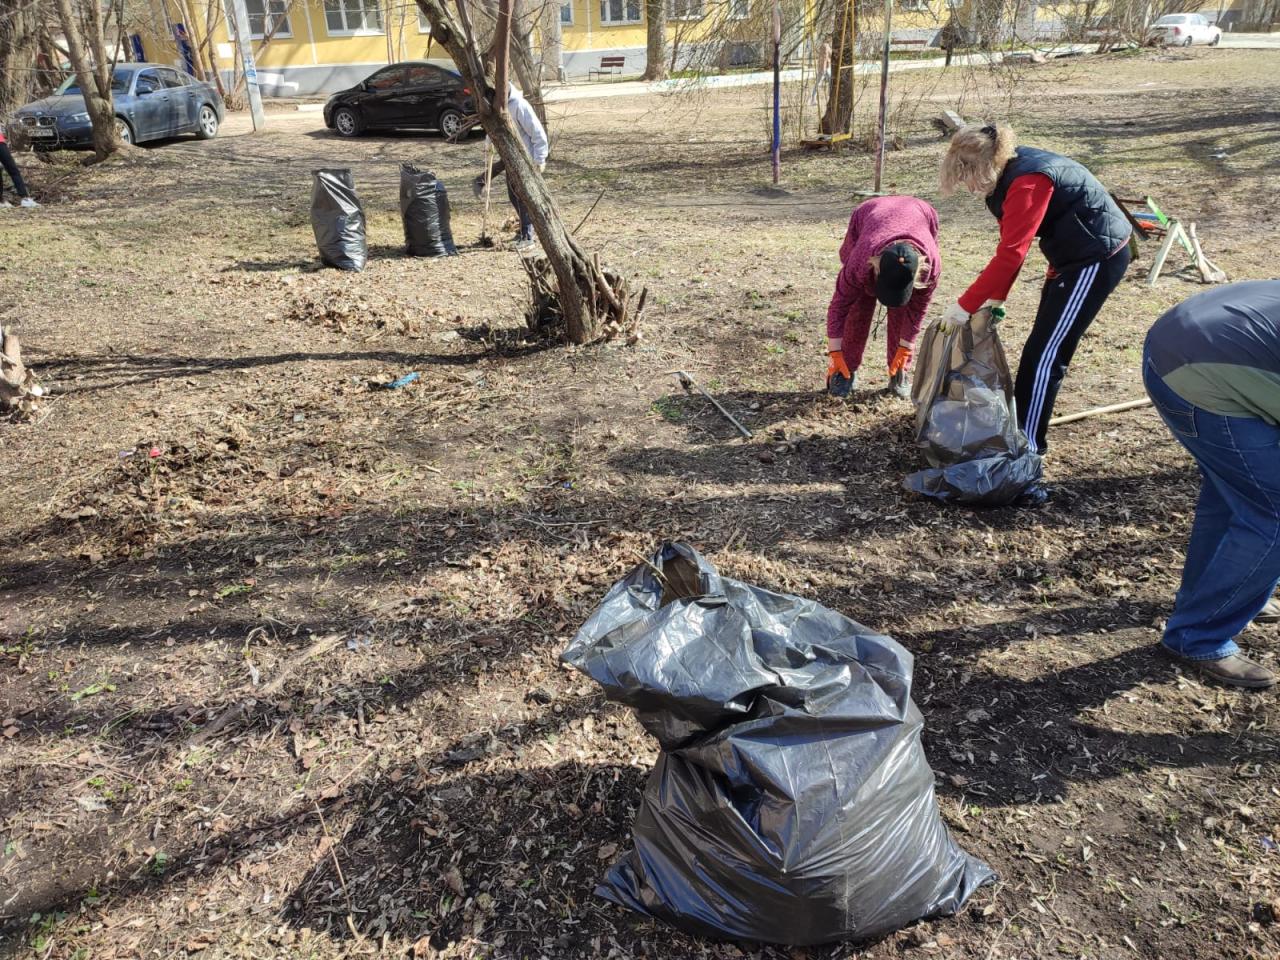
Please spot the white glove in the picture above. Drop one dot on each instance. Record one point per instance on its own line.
(953, 319)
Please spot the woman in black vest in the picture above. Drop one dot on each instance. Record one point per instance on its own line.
(1083, 234)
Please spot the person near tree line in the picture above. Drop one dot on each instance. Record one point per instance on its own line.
(11, 168)
(1211, 366)
(534, 136)
(890, 256)
(1083, 234)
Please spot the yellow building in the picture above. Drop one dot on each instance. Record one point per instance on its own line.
(307, 47)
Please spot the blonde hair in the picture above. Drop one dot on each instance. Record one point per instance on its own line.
(976, 158)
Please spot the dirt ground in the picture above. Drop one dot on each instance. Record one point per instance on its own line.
(289, 686)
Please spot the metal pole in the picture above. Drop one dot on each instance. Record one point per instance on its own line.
(884, 89)
(250, 68)
(777, 90)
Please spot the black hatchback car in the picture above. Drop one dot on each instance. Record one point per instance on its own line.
(413, 95)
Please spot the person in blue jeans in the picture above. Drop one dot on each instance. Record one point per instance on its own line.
(1212, 368)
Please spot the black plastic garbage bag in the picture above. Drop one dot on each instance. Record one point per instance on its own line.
(966, 418)
(792, 802)
(424, 208)
(338, 220)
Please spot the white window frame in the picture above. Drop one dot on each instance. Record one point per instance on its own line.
(914, 6)
(285, 31)
(362, 31)
(687, 4)
(424, 25)
(608, 22)
(563, 21)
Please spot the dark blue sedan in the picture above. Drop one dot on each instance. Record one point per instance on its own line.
(151, 101)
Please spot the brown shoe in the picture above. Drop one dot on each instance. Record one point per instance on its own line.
(1236, 670)
(1270, 613)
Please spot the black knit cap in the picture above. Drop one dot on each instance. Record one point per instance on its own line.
(897, 274)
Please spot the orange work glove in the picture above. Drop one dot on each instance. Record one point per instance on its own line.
(837, 365)
(900, 360)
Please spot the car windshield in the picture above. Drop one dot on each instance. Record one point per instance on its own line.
(1170, 21)
(119, 83)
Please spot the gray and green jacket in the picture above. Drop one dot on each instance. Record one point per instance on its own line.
(1220, 350)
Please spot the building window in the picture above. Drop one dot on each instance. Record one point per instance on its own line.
(424, 25)
(566, 12)
(268, 17)
(351, 17)
(684, 9)
(739, 9)
(619, 11)
(914, 6)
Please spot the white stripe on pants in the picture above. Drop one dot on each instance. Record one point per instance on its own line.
(1047, 359)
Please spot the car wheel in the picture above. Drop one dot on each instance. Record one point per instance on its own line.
(207, 123)
(347, 122)
(450, 122)
(1217, 38)
(123, 130)
(1186, 42)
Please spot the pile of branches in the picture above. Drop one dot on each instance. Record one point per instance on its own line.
(610, 298)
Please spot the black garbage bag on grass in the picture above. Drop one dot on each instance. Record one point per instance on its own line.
(792, 802)
(424, 208)
(338, 220)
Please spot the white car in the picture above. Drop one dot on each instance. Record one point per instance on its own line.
(1184, 29)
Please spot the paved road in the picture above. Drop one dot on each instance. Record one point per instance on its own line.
(1251, 41)
(632, 88)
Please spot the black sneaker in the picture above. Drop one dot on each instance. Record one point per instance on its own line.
(840, 386)
(900, 386)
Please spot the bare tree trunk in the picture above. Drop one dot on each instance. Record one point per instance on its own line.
(586, 298)
(522, 59)
(94, 79)
(50, 60)
(552, 41)
(839, 115)
(676, 36)
(501, 58)
(19, 49)
(655, 65)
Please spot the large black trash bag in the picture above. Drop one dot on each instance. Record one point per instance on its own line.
(792, 802)
(967, 420)
(338, 220)
(424, 208)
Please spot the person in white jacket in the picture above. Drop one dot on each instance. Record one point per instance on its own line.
(535, 140)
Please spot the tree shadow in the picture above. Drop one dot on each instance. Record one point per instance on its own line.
(112, 371)
(280, 265)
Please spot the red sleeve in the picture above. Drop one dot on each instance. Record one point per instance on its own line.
(1024, 208)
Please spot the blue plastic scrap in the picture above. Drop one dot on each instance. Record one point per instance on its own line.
(404, 381)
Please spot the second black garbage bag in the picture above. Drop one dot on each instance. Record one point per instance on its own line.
(792, 802)
(424, 208)
(338, 220)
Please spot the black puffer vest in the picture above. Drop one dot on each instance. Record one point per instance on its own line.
(1083, 225)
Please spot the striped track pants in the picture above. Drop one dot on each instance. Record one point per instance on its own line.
(1068, 304)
